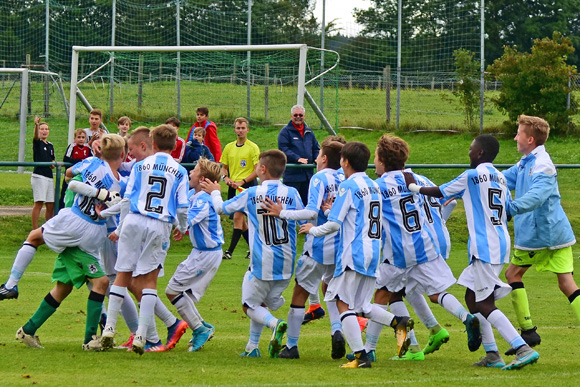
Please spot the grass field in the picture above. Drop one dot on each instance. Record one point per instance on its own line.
(62, 361)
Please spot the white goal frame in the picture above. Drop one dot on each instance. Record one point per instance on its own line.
(303, 49)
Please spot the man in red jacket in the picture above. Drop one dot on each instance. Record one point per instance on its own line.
(211, 138)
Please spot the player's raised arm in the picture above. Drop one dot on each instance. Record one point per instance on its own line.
(414, 187)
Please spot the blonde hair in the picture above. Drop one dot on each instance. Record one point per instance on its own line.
(164, 136)
(209, 169)
(80, 131)
(199, 130)
(112, 146)
(141, 134)
(240, 120)
(535, 127)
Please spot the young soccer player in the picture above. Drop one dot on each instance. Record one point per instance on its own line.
(212, 141)
(272, 248)
(156, 198)
(41, 179)
(316, 264)
(239, 160)
(411, 262)
(124, 125)
(179, 151)
(485, 196)
(78, 225)
(357, 213)
(543, 235)
(193, 276)
(95, 131)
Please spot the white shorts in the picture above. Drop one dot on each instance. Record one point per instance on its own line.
(483, 279)
(108, 256)
(352, 288)
(196, 272)
(256, 292)
(143, 244)
(42, 188)
(309, 273)
(70, 230)
(429, 278)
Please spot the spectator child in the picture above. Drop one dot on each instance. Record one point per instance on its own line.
(212, 141)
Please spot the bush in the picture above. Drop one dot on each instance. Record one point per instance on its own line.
(467, 87)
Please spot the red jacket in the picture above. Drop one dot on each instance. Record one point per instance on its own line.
(211, 138)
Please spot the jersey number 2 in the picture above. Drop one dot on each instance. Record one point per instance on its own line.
(160, 193)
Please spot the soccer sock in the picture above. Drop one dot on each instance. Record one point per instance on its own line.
(380, 315)
(21, 262)
(505, 329)
(164, 313)
(575, 302)
(94, 308)
(152, 335)
(398, 308)
(487, 338)
(186, 309)
(423, 312)
(351, 331)
(314, 299)
(295, 318)
(521, 305)
(195, 308)
(130, 314)
(147, 313)
(117, 295)
(373, 332)
(45, 310)
(256, 329)
(246, 236)
(450, 304)
(235, 239)
(334, 316)
(263, 316)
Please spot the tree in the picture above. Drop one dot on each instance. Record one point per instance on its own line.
(467, 87)
(536, 83)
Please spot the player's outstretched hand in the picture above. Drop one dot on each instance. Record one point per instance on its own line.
(273, 209)
(305, 228)
(99, 207)
(209, 186)
(113, 237)
(177, 235)
(327, 204)
(409, 178)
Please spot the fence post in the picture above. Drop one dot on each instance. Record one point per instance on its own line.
(432, 83)
(140, 84)
(387, 75)
(266, 91)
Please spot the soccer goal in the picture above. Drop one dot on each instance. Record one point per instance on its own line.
(153, 83)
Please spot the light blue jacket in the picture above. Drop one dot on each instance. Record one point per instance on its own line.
(539, 219)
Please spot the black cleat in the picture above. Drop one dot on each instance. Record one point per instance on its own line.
(289, 353)
(8, 294)
(338, 345)
(530, 336)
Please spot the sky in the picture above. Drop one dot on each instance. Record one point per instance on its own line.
(341, 10)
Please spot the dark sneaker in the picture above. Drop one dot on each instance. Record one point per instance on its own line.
(8, 294)
(227, 255)
(372, 355)
(289, 353)
(530, 336)
(338, 345)
(313, 314)
(361, 360)
(473, 334)
(491, 360)
(247, 255)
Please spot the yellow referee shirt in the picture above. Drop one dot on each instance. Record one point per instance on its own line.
(241, 160)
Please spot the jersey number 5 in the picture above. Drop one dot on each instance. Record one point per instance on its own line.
(158, 193)
(492, 194)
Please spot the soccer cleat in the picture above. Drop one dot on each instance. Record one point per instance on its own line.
(93, 345)
(154, 347)
(128, 344)
(473, 334)
(362, 323)
(8, 294)
(247, 255)
(201, 336)
(404, 326)
(139, 345)
(277, 336)
(208, 325)
(491, 360)
(416, 356)
(338, 345)
(31, 341)
(227, 255)
(253, 353)
(530, 336)
(524, 356)
(103, 322)
(360, 361)
(372, 355)
(107, 339)
(436, 341)
(174, 333)
(313, 313)
(289, 353)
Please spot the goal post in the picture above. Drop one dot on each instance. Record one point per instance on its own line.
(23, 109)
(76, 50)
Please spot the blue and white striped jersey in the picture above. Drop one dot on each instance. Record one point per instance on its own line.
(96, 173)
(407, 240)
(157, 187)
(205, 228)
(358, 209)
(435, 223)
(272, 240)
(485, 197)
(323, 186)
(126, 167)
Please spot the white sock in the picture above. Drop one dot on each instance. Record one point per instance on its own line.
(399, 308)
(334, 316)
(152, 335)
(256, 329)
(351, 331)
(422, 310)
(373, 332)
(263, 316)
(194, 309)
(314, 299)
(186, 310)
(487, 338)
(295, 318)
(147, 312)
(505, 328)
(164, 313)
(380, 315)
(21, 262)
(116, 297)
(450, 304)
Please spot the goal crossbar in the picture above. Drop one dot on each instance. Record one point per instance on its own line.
(302, 48)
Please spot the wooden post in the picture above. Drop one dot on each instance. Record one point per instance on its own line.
(350, 81)
(161, 69)
(379, 79)
(266, 91)
(140, 83)
(406, 83)
(433, 84)
(233, 81)
(387, 75)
